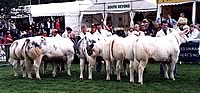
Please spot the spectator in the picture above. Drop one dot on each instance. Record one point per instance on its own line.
(55, 33)
(182, 21)
(171, 21)
(110, 28)
(163, 32)
(155, 29)
(101, 33)
(137, 31)
(23, 34)
(57, 25)
(7, 38)
(47, 26)
(84, 32)
(160, 19)
(69, 33)
(193, 32)
(93, 28)
(130, 31)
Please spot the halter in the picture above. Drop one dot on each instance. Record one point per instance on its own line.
(176, 39)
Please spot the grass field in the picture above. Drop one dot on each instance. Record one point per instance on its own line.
(186, 82)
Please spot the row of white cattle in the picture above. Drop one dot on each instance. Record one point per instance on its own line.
(138, 50)
(113, 49)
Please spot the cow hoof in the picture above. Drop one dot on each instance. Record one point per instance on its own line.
(81, 78)
(140, 83)
(107, 79)
(89, 79)
(15, 77)
(54, 75)
(30, 78)
(131, 82)
(38, 78)
(118, 80)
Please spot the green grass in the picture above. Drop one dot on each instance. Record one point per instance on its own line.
(186, 82)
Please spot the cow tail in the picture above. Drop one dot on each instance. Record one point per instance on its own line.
(35, 52)
(14, 48)
(135, 50)
(111, 50)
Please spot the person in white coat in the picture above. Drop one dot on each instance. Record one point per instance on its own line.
(84, 33)
(100, 34)
(163, 32)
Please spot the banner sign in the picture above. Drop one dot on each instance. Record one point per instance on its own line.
(172, 1)
(189, 52)
(118, 6)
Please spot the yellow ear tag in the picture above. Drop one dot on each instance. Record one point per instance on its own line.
(170, 30)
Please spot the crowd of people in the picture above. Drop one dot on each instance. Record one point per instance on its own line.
(10, 33)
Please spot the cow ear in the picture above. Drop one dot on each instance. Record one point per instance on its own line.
(186, 31)
(93, 41)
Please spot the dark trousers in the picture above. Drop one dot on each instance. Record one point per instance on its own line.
(99, 64)
(48, 31)
(162, 71)
(7, 52)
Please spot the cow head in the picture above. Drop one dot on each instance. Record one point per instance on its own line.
(42, 41)
(92, 48)
(183, 37)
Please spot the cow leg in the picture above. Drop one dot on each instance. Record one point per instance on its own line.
(36, 65)
(165, 68)
(107, 70)
(28, 68)
(131, 71)
(125, 69)
(15, 67)
(141, 66)
(172, 68)
(70, 60)
(23, 72)
(55, 65)
(90, 65)
(23, 68)
(44, 67)
(118, 66)
(82, 64)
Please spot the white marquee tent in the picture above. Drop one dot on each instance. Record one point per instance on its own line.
(119, 6)
(70, 10)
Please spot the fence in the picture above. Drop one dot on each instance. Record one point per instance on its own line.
(4, 52)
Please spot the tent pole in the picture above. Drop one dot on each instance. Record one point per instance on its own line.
(194, 12)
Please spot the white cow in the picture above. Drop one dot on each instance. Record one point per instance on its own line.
(112, 49)
(83, 55)
(53, 48)
(17, 56)
(161, 49)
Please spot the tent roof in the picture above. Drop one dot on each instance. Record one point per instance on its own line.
(119, 6)
(58, 9)
(175, 2)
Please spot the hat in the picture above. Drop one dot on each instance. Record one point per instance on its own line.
(54, 30)
(186, 27)
(145, 21)
(192, 25)
(8, 32)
